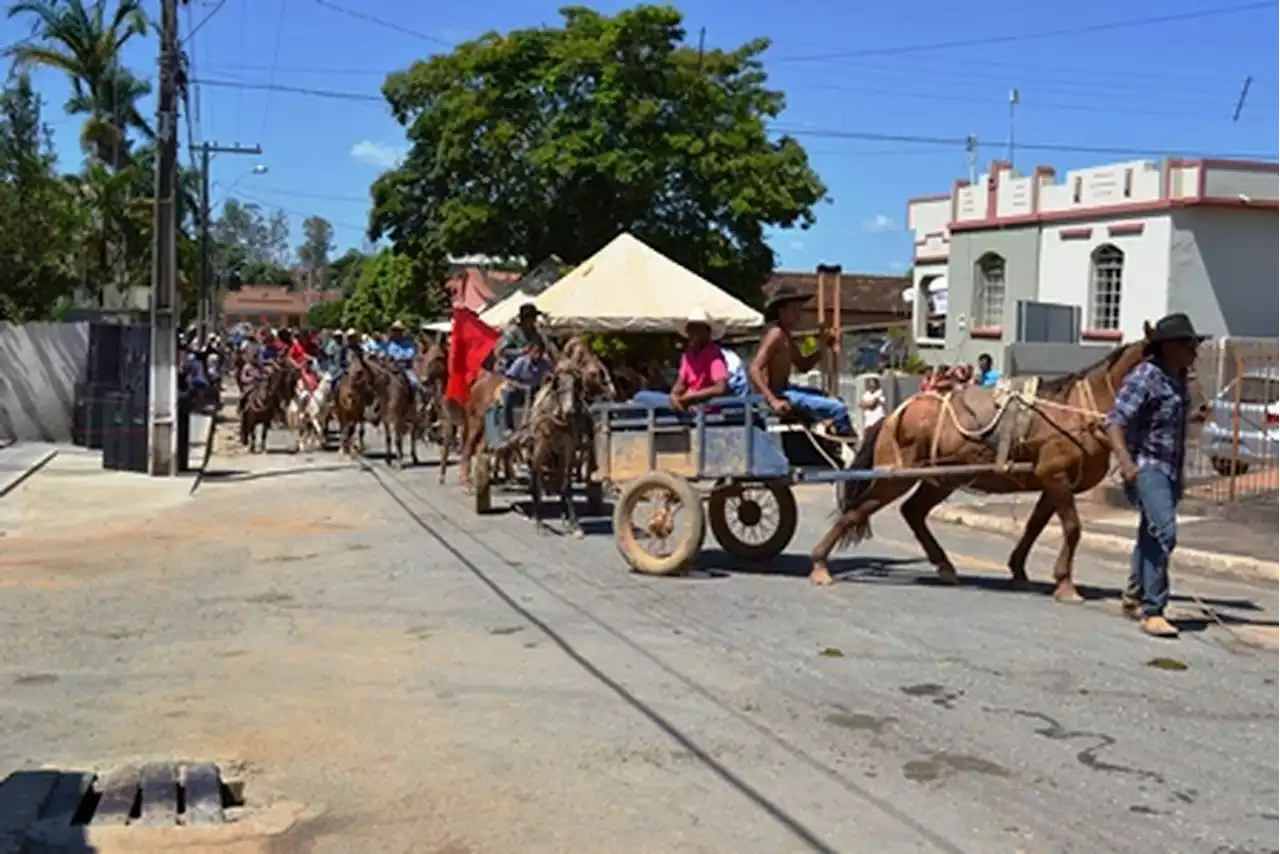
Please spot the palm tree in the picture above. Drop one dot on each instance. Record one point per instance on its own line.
(81, 41)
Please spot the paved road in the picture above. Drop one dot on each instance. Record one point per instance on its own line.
(556, 703)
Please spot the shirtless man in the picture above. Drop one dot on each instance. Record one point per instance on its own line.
(770, 370)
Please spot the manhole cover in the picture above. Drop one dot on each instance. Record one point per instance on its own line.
(161, 794)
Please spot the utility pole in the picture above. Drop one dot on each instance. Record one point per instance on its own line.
(209, 298)
(971, 146)
(1013, 114)
(163, 384)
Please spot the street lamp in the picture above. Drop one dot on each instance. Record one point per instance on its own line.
(259, 169)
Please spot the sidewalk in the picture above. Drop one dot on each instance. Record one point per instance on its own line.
(19, 461)
(1239, 540)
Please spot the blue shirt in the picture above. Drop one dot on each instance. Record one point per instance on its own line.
(403, 351)
(989, 378)
(1152, 407)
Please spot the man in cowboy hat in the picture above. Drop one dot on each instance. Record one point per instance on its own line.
(770, 370)
(1147, 427)
(402, 350)
(703, 374)
(521, 356)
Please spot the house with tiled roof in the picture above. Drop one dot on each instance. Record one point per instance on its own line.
(271, 305)
(867, 300)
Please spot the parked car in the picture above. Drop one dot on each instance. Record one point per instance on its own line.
(1259, 423)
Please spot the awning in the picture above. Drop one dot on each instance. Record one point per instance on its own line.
(630, 287)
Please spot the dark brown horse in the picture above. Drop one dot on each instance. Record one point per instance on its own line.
(265, 402)
(400, 413)
(355, 393)
(1058, 430)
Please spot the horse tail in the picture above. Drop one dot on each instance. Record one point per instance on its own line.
(853, 491)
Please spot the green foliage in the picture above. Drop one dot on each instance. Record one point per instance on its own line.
(344, 273)
(265, 273)
(550, 141)
(325, 315)
(914, 365)
(317, 243)
(390, 288)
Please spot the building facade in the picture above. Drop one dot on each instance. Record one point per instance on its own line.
(1125, 243)
(271, 305)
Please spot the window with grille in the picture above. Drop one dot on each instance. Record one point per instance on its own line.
(1104, 295)
(988, 309)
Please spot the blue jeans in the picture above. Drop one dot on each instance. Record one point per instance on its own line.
(817, 405)
(657, 399)
(512, 396)
(1155, 495)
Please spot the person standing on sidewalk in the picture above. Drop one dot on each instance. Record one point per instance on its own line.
(1147, 427)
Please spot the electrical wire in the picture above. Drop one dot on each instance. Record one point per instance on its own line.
(390, 25)
(800, 131)
(249, 197)
(1058, 32)
(275, 60)
(191, 34)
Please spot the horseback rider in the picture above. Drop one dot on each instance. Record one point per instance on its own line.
(402, 350)
(522, 357)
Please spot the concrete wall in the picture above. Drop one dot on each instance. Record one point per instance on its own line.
(1066, 268)
(1224, 270)
(1020, 249)
(40, 365)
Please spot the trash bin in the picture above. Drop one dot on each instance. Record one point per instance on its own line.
(124, 445)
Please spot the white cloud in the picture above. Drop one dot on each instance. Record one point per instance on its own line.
(897, 266)
(376, 154)
(796, 245)
(879, 224)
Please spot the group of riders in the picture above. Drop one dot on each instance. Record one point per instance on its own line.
(525, 353)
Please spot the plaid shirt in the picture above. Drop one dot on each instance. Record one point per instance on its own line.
(1152, 408)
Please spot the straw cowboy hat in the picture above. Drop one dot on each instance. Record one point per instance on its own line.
(703, 317)
(397, 326)
(351, 332)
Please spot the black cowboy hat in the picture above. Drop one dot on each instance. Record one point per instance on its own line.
(1174, 327)
(529, 310)
(780, 297)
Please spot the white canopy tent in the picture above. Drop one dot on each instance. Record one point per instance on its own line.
(630, 287)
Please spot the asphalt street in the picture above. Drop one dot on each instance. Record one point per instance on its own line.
(890, 714)
(428, 680)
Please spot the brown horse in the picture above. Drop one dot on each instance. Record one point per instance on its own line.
(1058, 430)
(400, 414)
(355, 393)
(265, 402)
(555, 422)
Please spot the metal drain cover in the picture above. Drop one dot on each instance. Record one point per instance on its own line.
(161, 794)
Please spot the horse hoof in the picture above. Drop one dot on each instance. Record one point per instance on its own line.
(1020, 582)
(947, 575)
(1068, 597)
(579, 534)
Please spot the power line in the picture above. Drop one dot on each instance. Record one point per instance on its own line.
(244, 196)
(203, 21)
(379, 22)
(802, 131)
(258, 188)
(1062, 148)
(275, 60)
(1059, 32)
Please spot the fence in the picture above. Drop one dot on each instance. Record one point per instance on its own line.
(1235, 457)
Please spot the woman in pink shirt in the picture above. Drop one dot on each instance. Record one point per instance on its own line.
(704, 374)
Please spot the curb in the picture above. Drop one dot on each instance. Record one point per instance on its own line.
(17, 480)
(1215, 563)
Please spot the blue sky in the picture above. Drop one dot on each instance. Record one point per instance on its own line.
(1168, 87)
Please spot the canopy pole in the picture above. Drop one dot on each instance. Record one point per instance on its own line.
(829, 362)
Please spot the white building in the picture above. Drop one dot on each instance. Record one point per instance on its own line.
(1126, 243)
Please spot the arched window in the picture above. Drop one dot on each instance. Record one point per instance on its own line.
(1105, 284)
(988, 291)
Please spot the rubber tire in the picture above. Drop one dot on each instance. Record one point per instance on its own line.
(1224, 466)
(788, 521)
(686, 552)
(481, 482)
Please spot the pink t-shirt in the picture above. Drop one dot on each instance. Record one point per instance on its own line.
(703, 368)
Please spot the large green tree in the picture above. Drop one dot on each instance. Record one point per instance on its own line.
(388, 290)
(550, 141)
(317, 243)
(40, 222)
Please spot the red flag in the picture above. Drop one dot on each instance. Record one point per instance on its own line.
(470, 343)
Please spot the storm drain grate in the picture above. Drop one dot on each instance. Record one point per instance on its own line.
(160, 794)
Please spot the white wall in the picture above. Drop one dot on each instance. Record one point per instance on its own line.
(40, 364)
(1066, 268)
(1225, 271)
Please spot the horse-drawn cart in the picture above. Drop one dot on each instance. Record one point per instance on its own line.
(734, 453)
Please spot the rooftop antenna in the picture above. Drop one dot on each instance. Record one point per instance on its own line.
(1013, 109)
(1244, 93)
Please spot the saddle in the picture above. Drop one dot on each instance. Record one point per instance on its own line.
(1000, 418)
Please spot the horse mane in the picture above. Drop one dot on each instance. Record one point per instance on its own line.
(1063, 383)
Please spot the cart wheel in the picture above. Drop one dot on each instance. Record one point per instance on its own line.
(753, 521)
(669, 494)
(481, 482)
